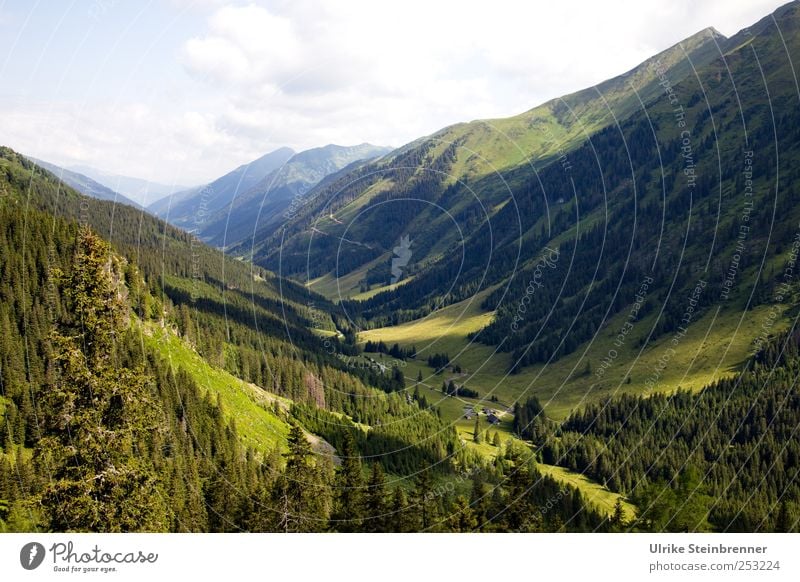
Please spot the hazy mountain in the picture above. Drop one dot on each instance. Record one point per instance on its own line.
(190, 208)
(85, 185)
(265, 204)
(143, 192)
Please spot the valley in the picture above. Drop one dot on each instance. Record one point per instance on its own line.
(579, 318)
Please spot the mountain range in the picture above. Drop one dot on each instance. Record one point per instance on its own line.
(589, 307)
(86, 185)
(638, 178)
(143, 192)
(256, 195)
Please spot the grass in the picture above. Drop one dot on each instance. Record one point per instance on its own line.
(597, 495)
(442, 331)
(344, 287)
(375, 290)
(715, 346)
(452, 410)
(249, 406)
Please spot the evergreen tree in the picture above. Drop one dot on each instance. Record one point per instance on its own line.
(424, 500)
(299, 498)
(462, 517)
(349, 489)
(98, 415)
(376, 505)
(400, 518)
(783, 523)
(518, 513)
(618, 521)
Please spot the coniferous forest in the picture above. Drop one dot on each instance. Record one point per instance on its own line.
(598, 336)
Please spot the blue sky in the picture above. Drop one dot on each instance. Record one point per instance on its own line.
(181, 91)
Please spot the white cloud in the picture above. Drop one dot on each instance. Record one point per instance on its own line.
(245, 45)
(305, 73)
(133, 139)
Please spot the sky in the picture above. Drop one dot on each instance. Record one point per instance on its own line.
(183, 91)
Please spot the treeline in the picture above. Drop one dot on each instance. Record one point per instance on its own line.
(530, 421)
(438, 361)
(452, 389)
(395, 351)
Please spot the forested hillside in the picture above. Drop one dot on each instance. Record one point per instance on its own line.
(724, 459)
(580, 318)
(102, 432)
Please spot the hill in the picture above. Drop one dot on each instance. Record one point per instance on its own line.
(189, 388)
(446, 186)
(657, 227)
(582, 318)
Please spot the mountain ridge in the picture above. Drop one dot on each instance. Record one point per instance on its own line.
(143, 192)
(189, 208)
(264, 204)
(86, 185)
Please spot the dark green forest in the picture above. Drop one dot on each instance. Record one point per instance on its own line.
(101, 433)
(104, 429)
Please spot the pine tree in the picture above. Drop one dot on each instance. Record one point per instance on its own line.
(783, 523)
(518, 514)
(462, 517)
(293, 494)
(400, 517)
(349, 489)
(618, 521)
(423, 499)
(476, 432)
(376, 506)
(98, 415)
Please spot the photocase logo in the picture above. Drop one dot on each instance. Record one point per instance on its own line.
(31, 555)
(403, 255)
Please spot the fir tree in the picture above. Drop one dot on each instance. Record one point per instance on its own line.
(299, 498)
(618, 521)
(462, 517)
(98, 415)
(400, 517)
(376, 505)
(349, 489)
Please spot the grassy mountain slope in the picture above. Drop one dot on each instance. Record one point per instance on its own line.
(238, 322)
(444, 187)
(682, 216)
